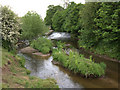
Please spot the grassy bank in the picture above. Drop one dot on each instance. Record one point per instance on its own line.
(78, 63)
(14, 75)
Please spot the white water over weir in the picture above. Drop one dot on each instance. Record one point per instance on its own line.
(59, 35)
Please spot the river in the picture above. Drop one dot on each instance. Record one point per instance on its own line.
(44, 68)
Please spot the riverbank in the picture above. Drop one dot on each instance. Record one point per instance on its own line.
(92, 51)
(14, 75)
(98, 55)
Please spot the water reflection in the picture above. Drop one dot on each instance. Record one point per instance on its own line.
(45, 69)
(65, 78)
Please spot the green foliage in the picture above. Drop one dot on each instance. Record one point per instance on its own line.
(60, 44)
(100, 28)
(57, 17)
(87, 36)
(21, 60)
(103, 65)
(28, 71)
(42, 44)
(96, 24)
(60, 55)
(108, 21)
(78, 63)
(10, 28)
(50, 13)
(32, 26)
(68, 19)
(72, 21)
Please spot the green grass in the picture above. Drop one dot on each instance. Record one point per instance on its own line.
(16, 76)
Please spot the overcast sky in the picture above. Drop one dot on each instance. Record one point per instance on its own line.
(21, 7)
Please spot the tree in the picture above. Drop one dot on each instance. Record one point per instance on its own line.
(87, 35)
(71, 23)
(50, 13)
(10, 28)
(66, 14)
(32, 26)
(57, 21)
(108, 21)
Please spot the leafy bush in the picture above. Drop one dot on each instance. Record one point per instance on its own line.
(78, 63)
(42, 44)
(59, 55)
(32, 26)
(10, 28)
(60, 44)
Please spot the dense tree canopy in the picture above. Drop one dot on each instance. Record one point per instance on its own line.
(87, 37)
(50, 13)
(96, 24)
(67, 19)
(108, 21)
(57, 21)
(101, 28)
(71, 23)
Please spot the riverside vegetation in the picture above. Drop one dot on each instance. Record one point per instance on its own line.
(73, 61)
(78, 63)
(42, 44)
(14, 74)
(96, 25)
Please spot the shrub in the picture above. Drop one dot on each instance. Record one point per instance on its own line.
(42, 44)
(10, 28)
(59, 55)
(32, 26)
(60, 44)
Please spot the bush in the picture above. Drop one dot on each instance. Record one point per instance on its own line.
(42, 44)
(78, 63)
(10, 28)
(32, 26)
(60, 44)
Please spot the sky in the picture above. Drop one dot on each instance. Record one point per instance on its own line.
(21, 7)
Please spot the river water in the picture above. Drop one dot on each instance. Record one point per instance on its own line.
(44, 68)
